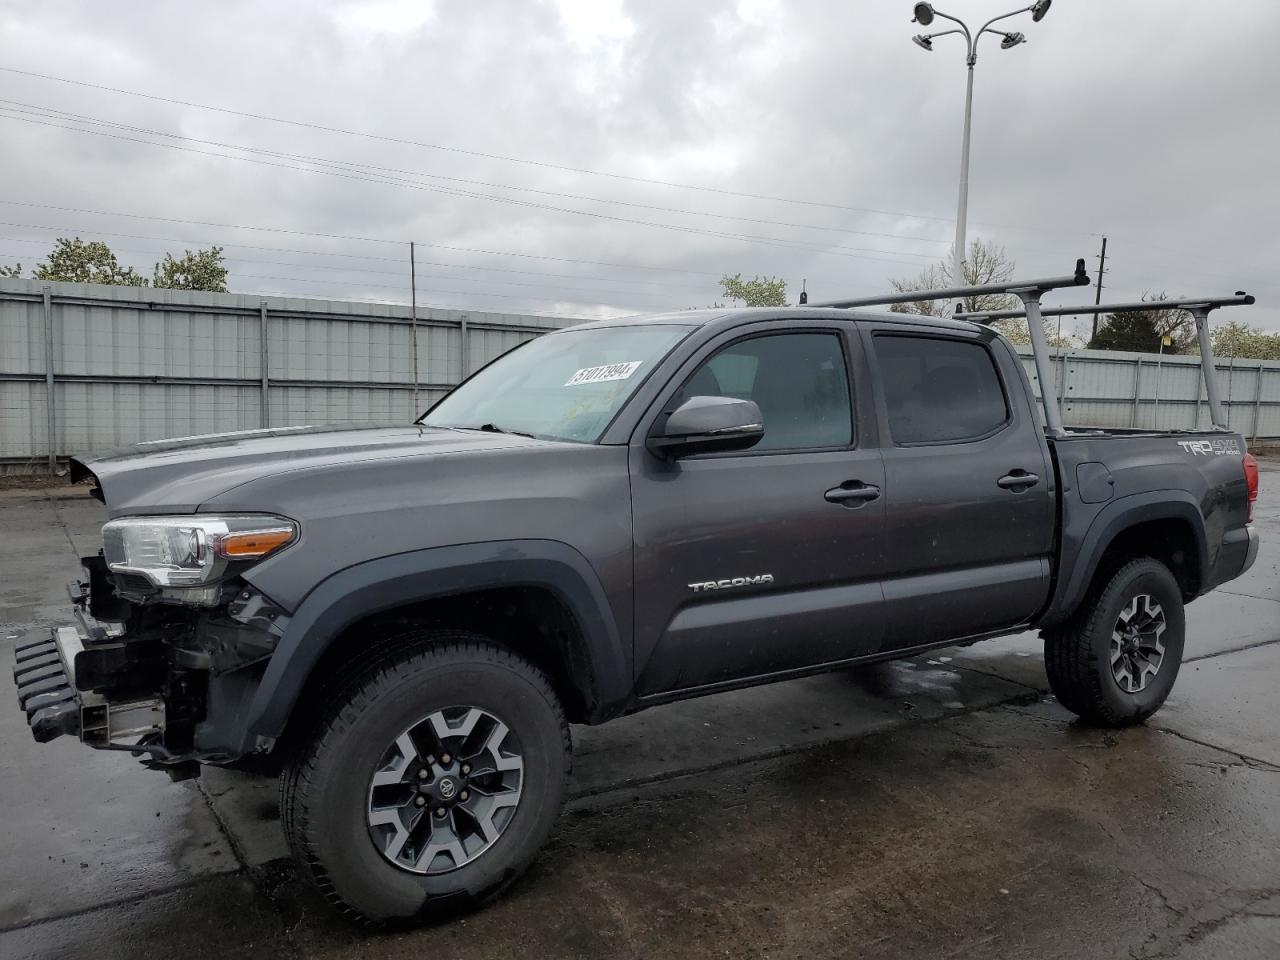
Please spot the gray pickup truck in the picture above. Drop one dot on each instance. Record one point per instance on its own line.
(403, 621)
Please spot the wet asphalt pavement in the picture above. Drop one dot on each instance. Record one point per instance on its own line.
(943, 806)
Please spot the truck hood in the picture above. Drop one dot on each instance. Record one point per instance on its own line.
(177, 476)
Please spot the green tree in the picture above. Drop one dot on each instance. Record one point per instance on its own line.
(79, 262)
(1136, 332)
(201, 270)
(1236, 339)
(13, 272)
(1142, 330)
(757, 292)
(986, 263)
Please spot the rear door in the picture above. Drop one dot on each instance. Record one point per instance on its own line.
(969, 487)
(758, 562)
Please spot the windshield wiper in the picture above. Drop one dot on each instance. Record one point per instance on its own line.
(493, 428)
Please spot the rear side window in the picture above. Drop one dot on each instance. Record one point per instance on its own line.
(939, 391)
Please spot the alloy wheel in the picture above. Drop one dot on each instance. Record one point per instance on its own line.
(1137, 650)
(445, 790)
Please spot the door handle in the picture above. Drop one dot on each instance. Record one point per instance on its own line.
(853, 493)
(1017, 481)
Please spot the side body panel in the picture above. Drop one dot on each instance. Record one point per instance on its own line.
(1197, 479)
(381, 533)
(353, 512)
(747, 514)
(966, 556)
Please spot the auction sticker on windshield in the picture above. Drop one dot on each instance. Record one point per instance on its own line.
(610, 371)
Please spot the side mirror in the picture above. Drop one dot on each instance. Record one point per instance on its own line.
(707, 425)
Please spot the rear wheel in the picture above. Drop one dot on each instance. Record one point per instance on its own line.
(433, 781)
(1115, 662)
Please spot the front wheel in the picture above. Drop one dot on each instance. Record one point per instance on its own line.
(1115, 661)
(432, 783)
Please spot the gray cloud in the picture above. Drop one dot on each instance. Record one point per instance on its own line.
(1154, 123)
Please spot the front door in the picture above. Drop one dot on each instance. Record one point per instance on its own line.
(970, 498)
(767, 560)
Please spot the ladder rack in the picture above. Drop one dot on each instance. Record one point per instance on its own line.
(1030, 291)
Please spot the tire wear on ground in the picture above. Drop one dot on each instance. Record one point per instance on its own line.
(1077, 655)
(324, 790)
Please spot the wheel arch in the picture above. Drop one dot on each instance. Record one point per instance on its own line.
(1165, 524)
(594, 674)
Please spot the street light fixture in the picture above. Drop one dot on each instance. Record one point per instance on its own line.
(924, 14)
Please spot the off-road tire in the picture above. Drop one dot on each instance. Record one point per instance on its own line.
(324, 790)
(1077, 655)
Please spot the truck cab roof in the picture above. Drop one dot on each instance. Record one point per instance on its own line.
(731, 316)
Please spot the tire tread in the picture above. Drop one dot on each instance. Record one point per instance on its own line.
(1075, 671)
(387, 663)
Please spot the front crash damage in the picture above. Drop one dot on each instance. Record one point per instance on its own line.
(168, 683)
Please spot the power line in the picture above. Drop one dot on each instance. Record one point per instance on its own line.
(391, 273)
(381, 174)
(63, 229)
(830, 250)
(549, 165)
(460, 150)
(326, 236)
(383, 171)
(387, 285)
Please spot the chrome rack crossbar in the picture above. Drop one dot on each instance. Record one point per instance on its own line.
(1198, 307)
(1029, 292)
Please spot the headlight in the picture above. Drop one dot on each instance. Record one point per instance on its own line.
(195, 551)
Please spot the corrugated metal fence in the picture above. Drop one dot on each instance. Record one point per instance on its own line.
(1148, 391)
(132, 364)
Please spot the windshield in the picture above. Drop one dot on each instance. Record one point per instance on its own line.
(563, 386)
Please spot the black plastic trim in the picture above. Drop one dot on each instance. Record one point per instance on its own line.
(377, 585)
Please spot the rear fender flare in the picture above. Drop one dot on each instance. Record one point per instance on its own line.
(1110, 522)
(384, 584)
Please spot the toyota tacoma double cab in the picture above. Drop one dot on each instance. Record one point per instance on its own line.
(403, 621)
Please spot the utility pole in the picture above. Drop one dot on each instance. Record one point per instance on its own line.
(413, 315)
(1097, 296)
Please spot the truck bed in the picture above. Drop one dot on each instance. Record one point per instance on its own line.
(1192, 476)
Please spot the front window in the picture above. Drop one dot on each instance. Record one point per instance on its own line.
(562, 386)
(798, 380)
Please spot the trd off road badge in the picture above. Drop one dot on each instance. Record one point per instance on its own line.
(1215, 447)
(758, 580)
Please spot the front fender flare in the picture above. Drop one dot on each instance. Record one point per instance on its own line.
(378, 585)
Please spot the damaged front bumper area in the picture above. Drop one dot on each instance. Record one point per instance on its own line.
(44, 672)
(45, 675)
(168, 683)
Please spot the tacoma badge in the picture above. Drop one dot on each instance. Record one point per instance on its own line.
(757, 580)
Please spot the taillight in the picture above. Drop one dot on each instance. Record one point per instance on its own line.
(1251, 481)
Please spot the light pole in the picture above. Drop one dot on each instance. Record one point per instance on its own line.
(924, 15)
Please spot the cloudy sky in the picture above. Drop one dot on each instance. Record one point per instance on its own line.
(598, 157)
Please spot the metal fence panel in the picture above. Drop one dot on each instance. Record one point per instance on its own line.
(134, 364)
(1103, 388)
(104, 415)
(22, 338)
(23, 422)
